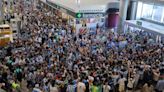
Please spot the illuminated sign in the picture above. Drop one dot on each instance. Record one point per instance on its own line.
(139, 23)
(79, 15)
(85, 15)
(92, 15)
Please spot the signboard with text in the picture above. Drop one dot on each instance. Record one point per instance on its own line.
(139, 23)
(92, 15)
(89, 15)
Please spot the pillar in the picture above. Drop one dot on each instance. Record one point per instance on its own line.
(122, 14)
(1, 8)
(133, 10)
(113, 20)
(1, 11)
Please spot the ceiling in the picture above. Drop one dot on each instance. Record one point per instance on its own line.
(87, 4)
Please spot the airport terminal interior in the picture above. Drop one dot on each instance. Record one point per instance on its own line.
(81, 45)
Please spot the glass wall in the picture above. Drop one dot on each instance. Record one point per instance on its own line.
(147, 11)
(157, 13)
(150, 11)
(139, 10)
(163, 17)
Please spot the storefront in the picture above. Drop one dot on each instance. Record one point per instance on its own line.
(79, 19)
(80, 16)
(68, 19)
(67, 15)
(16, 26)
(90, 20)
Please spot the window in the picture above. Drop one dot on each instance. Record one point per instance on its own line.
(157, 13)
(150, 11)
(147, 11)
(163, 16)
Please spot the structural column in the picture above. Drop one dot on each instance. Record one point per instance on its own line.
(1, 9)
(133, 10)
(122, 14)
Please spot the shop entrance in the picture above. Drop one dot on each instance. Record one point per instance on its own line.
(90, 21)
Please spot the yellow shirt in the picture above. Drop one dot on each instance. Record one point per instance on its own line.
(15, 85)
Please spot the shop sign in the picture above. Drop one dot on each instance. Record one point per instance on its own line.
(92, 15)
(139, 23)
(79, 15)
(83, 15)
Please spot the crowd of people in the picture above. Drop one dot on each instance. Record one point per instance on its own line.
(51, 57)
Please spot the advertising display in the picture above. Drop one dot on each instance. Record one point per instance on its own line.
(6, 35)
(89, 15)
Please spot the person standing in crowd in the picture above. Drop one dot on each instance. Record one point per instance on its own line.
(106, 87)
(160, 85)
(130, 84)
(156, 75)
(1, 87)
(121, 83)
(53, 87)
(71, 87)
(36, 88)
(81, 86)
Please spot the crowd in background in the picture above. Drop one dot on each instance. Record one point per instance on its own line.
(51, 57)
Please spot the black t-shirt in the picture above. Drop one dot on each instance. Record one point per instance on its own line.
(147, 76)
(64, 88)
(87, 87)
(4, 76)
(9, 51)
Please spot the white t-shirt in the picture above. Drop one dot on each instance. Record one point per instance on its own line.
(106, 88)
(122, 81)
(130, 82)
(81, 87)
(22, 61)
(53, 89)
(36, 90)
(39, 39)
